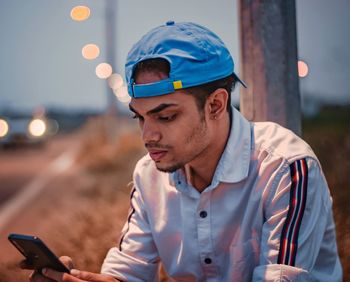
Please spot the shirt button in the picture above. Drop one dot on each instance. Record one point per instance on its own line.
(203, 214)
(207, 260)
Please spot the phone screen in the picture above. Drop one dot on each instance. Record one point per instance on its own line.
(36, 252)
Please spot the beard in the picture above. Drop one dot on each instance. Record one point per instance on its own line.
(171, 168)
(196, 141)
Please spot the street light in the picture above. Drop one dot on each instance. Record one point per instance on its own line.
(80, 13)
(37, 127)
(115, 81)
(122, 94)
(303, 69)
(4, 127)
(103, 70)
(90, 51)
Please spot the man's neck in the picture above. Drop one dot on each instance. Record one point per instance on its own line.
(200, 172)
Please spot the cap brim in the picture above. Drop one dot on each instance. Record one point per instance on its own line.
(240, 80)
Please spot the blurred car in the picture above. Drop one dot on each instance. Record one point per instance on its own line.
(24, 130)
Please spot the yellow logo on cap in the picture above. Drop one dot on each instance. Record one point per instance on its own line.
(177, 84)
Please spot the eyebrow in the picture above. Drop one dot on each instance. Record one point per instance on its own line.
(155, 110)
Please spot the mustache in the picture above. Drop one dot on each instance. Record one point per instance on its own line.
(156, 146)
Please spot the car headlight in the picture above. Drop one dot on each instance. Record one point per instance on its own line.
(4, 128)
(37, 127)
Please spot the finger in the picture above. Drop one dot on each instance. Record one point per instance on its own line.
(59, 276)
(37, 277)
(89, 276)
(84, 275)
(67, 261)
(26, 264)
(52, 274)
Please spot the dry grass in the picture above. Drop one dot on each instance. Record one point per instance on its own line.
(81, 213)
(329, 136)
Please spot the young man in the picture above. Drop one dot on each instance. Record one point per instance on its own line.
(217, 198)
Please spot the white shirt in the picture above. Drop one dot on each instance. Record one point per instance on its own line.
(267, 216)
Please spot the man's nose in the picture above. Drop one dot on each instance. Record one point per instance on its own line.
(150, 132)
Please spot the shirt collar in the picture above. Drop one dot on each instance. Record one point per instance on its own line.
(234, 162)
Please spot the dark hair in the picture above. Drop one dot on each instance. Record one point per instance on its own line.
(200, 92)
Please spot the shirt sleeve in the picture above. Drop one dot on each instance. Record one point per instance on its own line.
(136, 258)
(298, 236)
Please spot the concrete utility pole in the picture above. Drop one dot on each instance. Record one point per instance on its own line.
(110, 14)
(269, 62)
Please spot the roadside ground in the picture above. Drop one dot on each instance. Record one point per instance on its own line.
(81, 211)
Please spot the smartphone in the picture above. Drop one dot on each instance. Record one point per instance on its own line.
(36, 252)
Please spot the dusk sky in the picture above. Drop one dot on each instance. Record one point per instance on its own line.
(41, 61)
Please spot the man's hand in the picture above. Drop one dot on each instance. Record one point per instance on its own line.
(35, 276)
(49, 275)
(76, 276)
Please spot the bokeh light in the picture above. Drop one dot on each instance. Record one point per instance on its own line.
(115, 81)
(303, 69)
(103, 70)
(4, 128)
(53, 127)
(39, 111)
(122, 94)
(37, 127)
(125, 99)
(80, 13)
(90, 51)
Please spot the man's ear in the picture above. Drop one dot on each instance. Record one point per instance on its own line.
(216, 104)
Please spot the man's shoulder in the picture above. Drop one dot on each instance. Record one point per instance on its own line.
(146, 168)
(145, 163)
(280, 141)
(149, 180)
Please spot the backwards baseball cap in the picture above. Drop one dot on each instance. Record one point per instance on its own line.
(195, 54)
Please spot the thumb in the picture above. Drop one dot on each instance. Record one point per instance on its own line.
(67, 261)
(92, 277)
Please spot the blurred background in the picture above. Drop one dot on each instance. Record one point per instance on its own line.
(67, 144)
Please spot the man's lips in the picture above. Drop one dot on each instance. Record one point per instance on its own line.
(156, 155)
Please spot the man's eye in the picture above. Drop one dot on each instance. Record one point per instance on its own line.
(167, 118)
(137, 117)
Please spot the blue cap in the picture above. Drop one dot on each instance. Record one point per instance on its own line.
(195, 54)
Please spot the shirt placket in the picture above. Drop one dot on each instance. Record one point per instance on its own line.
(204, 231)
